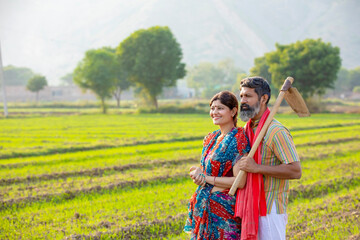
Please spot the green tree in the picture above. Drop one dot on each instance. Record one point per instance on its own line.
(67, 79)
(208, 78)
(122, 82)
(313, 64)
(354, 78)
(356, 89)
(342, 81)
(17, 76)
(236, 87)
(35, 84)
(347, 80)
(261, 68)
(151, 59)
(97, 72)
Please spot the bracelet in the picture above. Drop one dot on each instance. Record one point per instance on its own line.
(202, 174)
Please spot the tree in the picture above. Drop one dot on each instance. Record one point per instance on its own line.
(313, 64)
(151, 59)
(17, 76)
(261, 68)
(236, 87)
(354, 78)
(208, 79)
(35, 84)
(122, 82)
(342, 81)
(67, 79)
(356, 89)
(347, 80)
(97, 72)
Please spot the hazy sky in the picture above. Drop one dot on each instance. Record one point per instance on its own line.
(51, 36)
(39, 34)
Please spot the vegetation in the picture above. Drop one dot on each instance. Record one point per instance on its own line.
(313, 63)
(97, 73)
(17, 76)
(67, 80)
(208, 79)
(125, 176)
(151, 58)
(35, 84)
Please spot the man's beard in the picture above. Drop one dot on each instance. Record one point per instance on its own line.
(250, 112)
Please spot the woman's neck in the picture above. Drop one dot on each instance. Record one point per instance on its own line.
(226, 128)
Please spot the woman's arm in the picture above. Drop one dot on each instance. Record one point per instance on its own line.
(226, 182)
(222, 182)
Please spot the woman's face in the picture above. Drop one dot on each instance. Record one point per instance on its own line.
(221, 114)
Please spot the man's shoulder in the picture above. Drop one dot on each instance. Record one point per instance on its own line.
(275, 125)
(275, 128)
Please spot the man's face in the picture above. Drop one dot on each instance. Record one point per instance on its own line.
(250, 104)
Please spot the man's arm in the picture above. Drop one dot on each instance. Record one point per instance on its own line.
(284, 171)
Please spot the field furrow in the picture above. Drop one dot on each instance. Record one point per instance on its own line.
(125, 176)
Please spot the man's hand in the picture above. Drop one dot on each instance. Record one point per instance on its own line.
(247, 164)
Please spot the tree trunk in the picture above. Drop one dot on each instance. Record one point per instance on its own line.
(103, 107)
(154, 101)
(117, 95)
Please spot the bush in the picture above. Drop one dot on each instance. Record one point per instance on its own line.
(174, 108)
(356, 89)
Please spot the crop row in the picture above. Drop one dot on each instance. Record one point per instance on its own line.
(77, 161)
(85, 213)
(38, 184)
(336, 179)
(105, 212)
(335, 216)
(76, 133)
(91, 215)
(48, 184)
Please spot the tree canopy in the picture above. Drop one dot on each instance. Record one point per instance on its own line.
(151, 58)
(35, 84)
(97, 72)
(17, 76)
(67, 79)
(122, 82)
(208, 78)
(313, 64)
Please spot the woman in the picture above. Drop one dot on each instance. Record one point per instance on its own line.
(211, 209)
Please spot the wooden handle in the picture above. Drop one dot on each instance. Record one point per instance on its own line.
(241, 175)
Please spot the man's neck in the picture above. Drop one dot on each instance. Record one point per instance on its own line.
(261, 112)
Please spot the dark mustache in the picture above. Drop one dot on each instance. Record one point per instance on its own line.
(245, 105)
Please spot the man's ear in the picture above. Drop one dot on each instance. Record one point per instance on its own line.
(264, 98)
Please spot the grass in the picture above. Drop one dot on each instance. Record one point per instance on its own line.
(125, 176)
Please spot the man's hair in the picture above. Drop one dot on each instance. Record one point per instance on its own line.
(260, 84)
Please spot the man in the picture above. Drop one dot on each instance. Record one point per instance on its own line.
(277, 160)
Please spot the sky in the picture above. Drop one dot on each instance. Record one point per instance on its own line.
(51, 36)
(39, 34)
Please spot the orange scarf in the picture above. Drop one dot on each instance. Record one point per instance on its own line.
(250, 200)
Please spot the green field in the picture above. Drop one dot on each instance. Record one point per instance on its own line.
(124, 176)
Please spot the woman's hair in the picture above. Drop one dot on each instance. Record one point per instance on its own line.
(228, 99)
(260, 84)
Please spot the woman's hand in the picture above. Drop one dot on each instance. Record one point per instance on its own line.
(197, 176)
